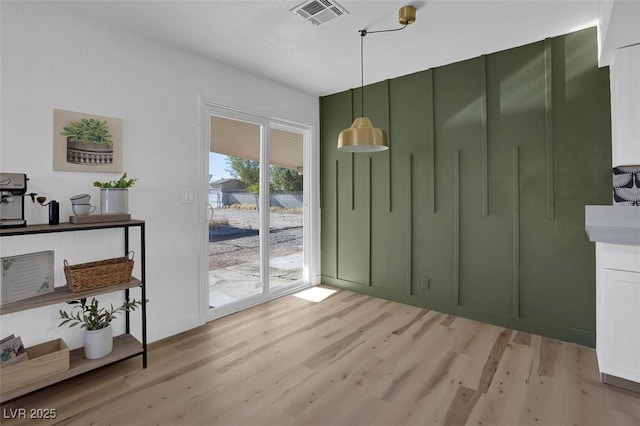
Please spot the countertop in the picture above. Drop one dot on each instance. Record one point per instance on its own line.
(613, 224)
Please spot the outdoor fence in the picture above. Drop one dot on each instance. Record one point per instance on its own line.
(285, 200)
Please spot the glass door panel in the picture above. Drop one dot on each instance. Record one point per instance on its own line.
(286, 208)
(233, 212)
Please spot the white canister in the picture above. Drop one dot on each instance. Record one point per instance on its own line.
(114, 200)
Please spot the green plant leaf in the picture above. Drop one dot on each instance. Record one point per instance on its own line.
(123, 182)
(91, 316)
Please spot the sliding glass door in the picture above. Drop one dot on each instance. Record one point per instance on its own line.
(255, 210)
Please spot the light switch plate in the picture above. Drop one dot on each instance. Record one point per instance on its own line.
(187, 196)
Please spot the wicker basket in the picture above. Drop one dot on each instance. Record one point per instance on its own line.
(103, 273)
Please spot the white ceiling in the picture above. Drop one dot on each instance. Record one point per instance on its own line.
(265, 38)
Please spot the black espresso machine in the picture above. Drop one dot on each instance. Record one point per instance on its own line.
(13, 188)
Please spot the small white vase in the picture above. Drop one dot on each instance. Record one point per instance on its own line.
(98, 343)
(114, 200)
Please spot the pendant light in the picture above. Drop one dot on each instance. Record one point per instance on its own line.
(362, 136)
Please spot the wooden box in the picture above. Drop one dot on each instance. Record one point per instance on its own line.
(45, 360)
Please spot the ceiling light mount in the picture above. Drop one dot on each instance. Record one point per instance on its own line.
(362, 136)
(407, 15)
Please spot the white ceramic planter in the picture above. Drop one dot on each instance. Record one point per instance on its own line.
(114, 200)
(98, 343)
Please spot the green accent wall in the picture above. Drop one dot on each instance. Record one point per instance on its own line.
(477, 208)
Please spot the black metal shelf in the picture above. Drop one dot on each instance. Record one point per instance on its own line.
(61, 295)
(129, 346)
(67, 227)
(125, 346)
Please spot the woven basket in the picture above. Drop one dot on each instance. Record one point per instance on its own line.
(103, 273)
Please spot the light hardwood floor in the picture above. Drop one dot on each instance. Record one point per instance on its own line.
(349, 360)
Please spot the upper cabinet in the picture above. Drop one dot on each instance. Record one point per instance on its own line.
(617, 28)
(625, 106)
(619, 48)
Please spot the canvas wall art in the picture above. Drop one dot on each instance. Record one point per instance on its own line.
(86, 142)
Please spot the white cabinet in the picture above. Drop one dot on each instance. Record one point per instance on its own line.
(618, 313)
(625, 106)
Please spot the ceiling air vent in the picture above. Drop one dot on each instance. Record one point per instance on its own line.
(319, 12)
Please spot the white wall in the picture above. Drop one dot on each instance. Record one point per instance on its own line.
(53, 58)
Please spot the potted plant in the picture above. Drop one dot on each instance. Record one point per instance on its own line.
(114, 194)
(88, 141)
(96, 320)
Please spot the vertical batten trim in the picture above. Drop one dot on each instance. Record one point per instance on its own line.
(321, 152)
(432, 147)
(335, 191)
(353, 106)
(389, 142)
(370, 223)
(516, 232)
(549, 128)
(353, 180)
(485, 136)
(410, 229)
(456, 227)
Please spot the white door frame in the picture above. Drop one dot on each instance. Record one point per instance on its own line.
(311, 220)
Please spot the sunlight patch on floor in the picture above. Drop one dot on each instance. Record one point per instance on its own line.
(217, 298)
(315, 294)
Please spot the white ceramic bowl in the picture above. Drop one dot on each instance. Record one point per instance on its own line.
(81, 199)
(83, 209)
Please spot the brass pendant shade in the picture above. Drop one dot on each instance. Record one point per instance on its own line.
(362, 137)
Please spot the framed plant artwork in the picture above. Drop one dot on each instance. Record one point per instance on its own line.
(86, 142)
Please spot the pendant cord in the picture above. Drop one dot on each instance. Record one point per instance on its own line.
(362, 73)
(384, 31)
(363, 34)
